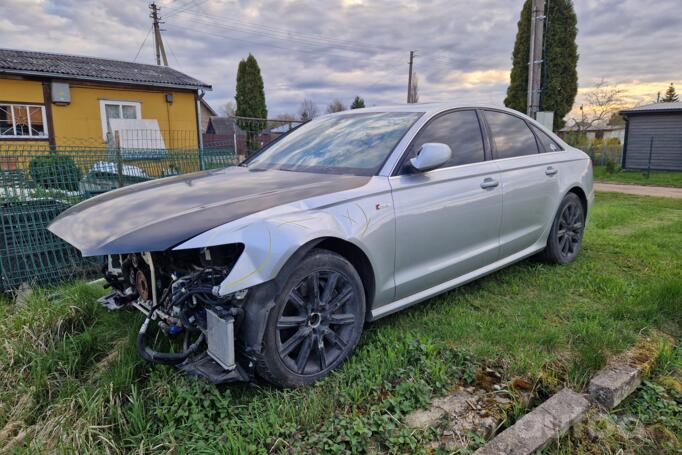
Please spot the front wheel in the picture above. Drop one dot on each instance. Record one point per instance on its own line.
(316, 322)
(566, 235)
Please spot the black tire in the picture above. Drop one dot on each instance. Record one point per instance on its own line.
(565, 238)
(308, 334)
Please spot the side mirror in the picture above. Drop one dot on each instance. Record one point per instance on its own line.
(430, 156)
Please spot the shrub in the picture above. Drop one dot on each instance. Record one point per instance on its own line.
(611, 167)
(55, 171)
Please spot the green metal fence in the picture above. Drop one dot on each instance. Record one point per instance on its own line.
(604, 154)
(37, 183)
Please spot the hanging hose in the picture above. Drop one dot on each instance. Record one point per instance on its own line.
(169, 358)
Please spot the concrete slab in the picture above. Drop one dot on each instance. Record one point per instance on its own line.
(612, 384)
(537, 429)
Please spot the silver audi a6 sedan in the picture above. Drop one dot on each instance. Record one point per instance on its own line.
(272, 267)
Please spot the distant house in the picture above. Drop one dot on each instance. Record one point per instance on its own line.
(225, 132)
(206, 112)
(653, 137)
(219, 132)
(597, 132)
(220, 126)
(63, 100)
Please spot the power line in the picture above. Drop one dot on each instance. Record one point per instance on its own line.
(143, 41)
(309, 41)
(173, 54)
(282, 34)
(173, 7)
(260, 27)
(185, 7)
(306, 50)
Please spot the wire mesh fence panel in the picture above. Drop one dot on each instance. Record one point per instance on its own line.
(29, 252)
(604, 154)
(38, 183)
(246, 135)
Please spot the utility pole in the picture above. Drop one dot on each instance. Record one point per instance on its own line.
(158, 42)
(537, 29)
(409, 80)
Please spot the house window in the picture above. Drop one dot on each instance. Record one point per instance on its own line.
(117, 109)
(22, 121)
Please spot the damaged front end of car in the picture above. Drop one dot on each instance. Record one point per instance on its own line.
(178, 291)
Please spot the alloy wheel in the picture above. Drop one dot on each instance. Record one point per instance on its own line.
(570, 230)
(315, 325)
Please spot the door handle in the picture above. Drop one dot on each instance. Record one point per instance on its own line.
(489, 183)
(550, 171)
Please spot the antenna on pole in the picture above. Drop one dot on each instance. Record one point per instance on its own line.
(158, 42)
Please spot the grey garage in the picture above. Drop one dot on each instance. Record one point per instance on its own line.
(653, 137)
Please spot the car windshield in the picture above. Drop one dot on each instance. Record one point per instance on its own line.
(356, 144)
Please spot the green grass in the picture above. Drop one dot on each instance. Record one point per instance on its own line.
(656, 178)
(70, 380)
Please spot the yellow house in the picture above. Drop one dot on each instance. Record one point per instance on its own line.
(56, 100)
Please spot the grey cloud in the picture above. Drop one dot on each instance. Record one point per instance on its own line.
(339, 49)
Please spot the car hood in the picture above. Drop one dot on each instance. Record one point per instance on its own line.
(159, 214)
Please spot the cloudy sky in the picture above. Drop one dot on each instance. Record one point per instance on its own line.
(329, 49)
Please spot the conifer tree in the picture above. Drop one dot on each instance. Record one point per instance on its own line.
(559, 72)
(358, 103)
(671, 95)
(250, 98)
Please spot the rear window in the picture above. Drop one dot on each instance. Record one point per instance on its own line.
(547, 142)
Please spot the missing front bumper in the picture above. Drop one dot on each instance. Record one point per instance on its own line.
(203, 365)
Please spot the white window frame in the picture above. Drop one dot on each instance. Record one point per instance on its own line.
(120, 103)
(30, 134)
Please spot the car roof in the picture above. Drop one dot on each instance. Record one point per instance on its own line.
(429, 108)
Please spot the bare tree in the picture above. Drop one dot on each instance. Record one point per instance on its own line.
(414, 89)
(286, 117)
(600, 104)
(229, 109)
(307, 110)
(335, 106)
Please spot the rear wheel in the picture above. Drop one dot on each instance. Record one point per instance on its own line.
(316, 322)
(566, 235)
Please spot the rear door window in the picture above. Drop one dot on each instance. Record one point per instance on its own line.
(511, 135)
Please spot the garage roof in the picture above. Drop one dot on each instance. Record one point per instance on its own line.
(60, 66)
(654, 108)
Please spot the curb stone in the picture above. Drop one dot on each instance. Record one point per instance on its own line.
(613, 384)
(609, 387)
(541, 426)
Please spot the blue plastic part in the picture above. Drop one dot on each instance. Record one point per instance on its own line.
(174, 329)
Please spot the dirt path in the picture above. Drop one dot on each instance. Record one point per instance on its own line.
(639, 190)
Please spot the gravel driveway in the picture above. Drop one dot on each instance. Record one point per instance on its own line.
(639, 190)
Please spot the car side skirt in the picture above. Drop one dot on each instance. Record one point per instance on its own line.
(426, 294)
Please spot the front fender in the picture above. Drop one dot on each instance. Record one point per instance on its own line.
(270, 242)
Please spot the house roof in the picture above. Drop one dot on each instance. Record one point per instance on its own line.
(208, 107)
(61, 66)
(222, 126)
(654, 108)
